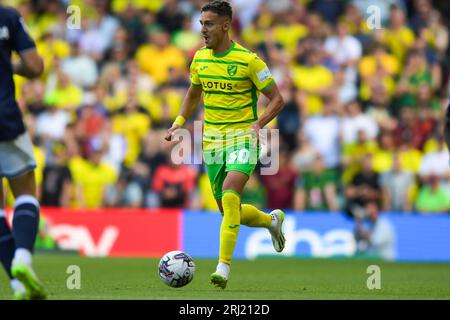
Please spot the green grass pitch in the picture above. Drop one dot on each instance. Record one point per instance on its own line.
(262, 279)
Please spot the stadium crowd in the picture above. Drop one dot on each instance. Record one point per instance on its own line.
(362, 120)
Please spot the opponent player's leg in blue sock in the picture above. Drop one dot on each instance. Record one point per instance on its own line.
(25, 228)
(7, 249)
(7, 246)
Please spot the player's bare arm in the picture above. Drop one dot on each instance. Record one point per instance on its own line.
(188, 106)
(274, 107)
(30, 65)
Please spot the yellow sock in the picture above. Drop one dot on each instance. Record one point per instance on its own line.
(252, 217)
(229, 228)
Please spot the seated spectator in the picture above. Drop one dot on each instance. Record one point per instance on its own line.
(170, 16)
(427, 103)
(381, 80)
(92, 40)
(355, 120)
(280, 186)
(288, 32)
(415, 74)
(57, 182)
(314, 82)
(378, 58)
(364, 187)
(91, 178)
(81, 69)
(435, 161)
(125, 193)
(91, 117)
(379, 108)
(159, 49)
(65, 95)
(384, 154)
(413, 128)
(397, 185)
(398, 37)
(133, 122)
(432, 197)
(323, 131)
(288, 119)
(173, 186)
(410, 157)
(353, 154)
(32, 97)
(345, 50)
(51, 123)
(187, 39)
(316, 189)
(304, 154)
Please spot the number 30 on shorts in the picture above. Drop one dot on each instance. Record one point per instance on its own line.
(240, 156)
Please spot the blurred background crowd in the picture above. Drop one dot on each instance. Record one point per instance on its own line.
(363, 121)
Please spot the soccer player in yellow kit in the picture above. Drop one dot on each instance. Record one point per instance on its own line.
(231, 78)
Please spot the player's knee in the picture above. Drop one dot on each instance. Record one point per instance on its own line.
(232, 185)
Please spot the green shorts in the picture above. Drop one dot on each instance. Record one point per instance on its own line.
(242, 158)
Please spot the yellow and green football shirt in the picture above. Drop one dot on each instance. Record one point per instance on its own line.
(231, 83)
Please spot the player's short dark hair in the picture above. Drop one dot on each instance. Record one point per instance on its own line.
(221, 7)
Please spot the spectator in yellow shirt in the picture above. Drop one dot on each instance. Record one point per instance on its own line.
(91, 178)
(133, 123)
(158, 56)
(314, 81)
(383, 158)
(398, 37)
(353, 154)
(65, 95)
